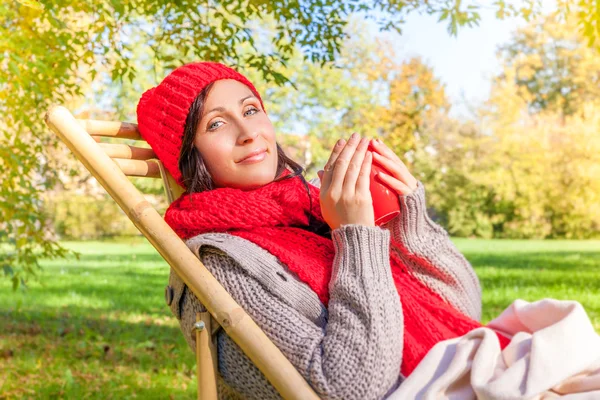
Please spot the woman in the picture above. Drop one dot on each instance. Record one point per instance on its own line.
(353, 306)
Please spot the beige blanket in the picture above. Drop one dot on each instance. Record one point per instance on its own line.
(554, 352)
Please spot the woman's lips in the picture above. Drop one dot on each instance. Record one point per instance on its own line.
(255, 158)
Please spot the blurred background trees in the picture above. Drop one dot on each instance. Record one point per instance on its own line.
(525, 166)
(540, 130)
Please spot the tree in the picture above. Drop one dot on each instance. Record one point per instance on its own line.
(387, 97)
(554, 68)
(416, 97)
(538, 133)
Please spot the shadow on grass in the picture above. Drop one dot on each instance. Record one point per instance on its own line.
(85, 352)
(109, 333)
(97, 327)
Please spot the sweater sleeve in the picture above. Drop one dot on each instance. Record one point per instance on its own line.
(427, 250)
(355, 354)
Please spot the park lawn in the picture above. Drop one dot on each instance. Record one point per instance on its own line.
(95, 328)
(98, 327)
(535, 269)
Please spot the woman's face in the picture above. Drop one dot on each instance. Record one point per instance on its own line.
(233, 127)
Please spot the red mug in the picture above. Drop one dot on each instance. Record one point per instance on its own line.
(385, 201)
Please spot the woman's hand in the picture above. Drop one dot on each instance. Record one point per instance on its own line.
(400, 180)
(345, 195)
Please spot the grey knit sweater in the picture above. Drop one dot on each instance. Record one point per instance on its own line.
(353, 348)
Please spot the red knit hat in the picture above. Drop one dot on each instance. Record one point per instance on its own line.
(162, 110)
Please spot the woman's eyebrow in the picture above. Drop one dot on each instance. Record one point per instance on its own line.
(221, 109)
(246, 98)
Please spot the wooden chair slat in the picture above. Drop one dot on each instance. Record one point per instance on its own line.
(141, 168)
(118, 150)
(172, 188)
(206, 358)
(122, 130)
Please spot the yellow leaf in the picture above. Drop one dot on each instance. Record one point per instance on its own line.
(32, 4)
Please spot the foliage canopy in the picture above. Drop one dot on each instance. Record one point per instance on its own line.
(56, 51)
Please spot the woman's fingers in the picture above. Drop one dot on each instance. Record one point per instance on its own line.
(397, 186)
(382, 149)
(341, 164)
(355, 166)
(397, 169)
(347, 170)
(363, 184)
(393, 164)
(328, 169)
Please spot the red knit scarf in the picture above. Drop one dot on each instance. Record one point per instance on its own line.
(275, 218)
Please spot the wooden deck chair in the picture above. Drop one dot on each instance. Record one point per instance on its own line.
(110, 164)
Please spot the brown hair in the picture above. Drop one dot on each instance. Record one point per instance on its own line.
(195, 175)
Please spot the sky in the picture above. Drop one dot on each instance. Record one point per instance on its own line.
(465, 63)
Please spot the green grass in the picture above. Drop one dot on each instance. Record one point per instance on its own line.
(98, 327)
(536, 269)
(95, 328)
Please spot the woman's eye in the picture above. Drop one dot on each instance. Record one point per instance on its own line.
(250, 111)
(214, 125)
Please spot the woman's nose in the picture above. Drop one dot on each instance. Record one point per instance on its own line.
(247, 134)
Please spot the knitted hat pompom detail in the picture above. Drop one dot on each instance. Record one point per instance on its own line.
(163, 110)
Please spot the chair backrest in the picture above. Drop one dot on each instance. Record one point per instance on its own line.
(132, 160)
(109, 168)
